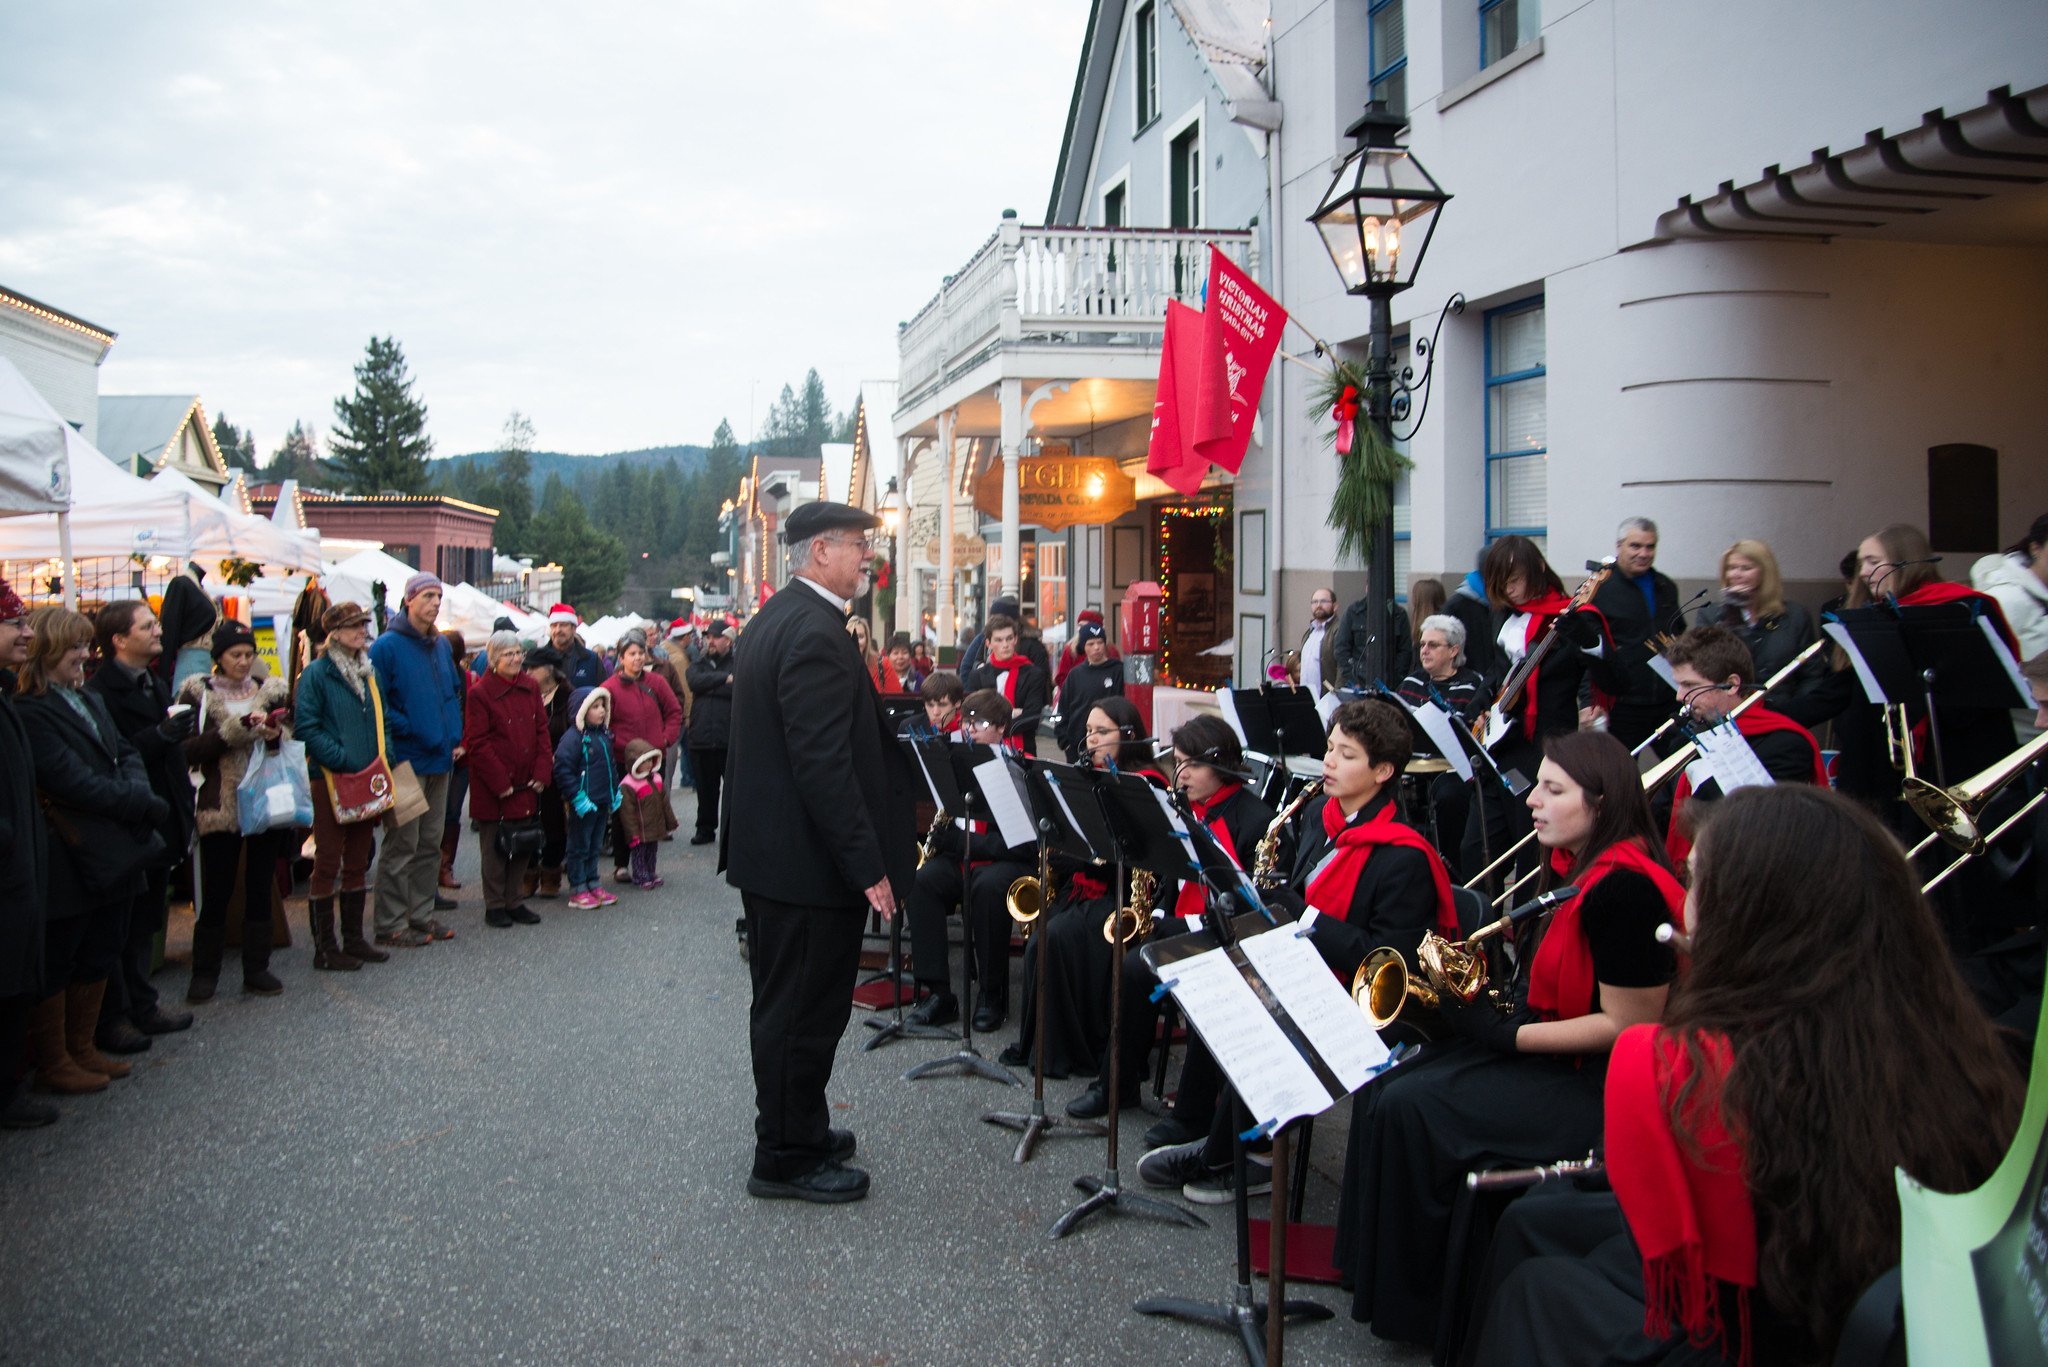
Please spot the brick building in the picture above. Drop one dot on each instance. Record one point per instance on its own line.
(427, 531)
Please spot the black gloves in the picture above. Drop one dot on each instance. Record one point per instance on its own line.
(1582, 629)
(175, 729)
(1479, 1022)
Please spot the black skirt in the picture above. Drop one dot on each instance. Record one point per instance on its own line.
(1077, 989)
(1415, 1132)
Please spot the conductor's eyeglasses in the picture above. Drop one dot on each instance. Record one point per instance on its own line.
(866, 543)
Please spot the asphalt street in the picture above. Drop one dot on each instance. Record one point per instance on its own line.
(530, 1145)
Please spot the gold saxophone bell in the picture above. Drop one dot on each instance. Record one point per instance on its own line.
(1025, 900)
(1384, 989)
(1130, 924)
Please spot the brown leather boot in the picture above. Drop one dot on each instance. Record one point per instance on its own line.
(352, 942)
(550, 882)
(55, 1069)
(451, 836)
(81, 1019)
(529, 883)
(327, 952)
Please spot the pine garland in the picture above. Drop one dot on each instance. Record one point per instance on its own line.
(1366, 474)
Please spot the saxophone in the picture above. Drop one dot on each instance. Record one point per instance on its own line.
(931, 839)
(1134, 922)
(1266, 858)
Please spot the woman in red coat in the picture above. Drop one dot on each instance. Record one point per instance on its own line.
(505, 735)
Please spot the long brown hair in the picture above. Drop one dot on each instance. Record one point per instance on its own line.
(1907, 547)
(1426, 598)
(1512, 553)
(1603, 767)
(1857, 1049)
(57, 630)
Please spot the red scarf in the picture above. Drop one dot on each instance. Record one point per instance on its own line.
(1941, 591)
(1690, 1213)
(1542, 611)
(1192, 897)
(1757, 721)
(1331, 891)
(1007, 672)
(1561, 981)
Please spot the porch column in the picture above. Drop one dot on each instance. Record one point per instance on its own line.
(905, 608)
(945, 622)
(1011, 394)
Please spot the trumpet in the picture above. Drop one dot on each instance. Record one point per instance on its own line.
(1132, 923)
(1266, 858)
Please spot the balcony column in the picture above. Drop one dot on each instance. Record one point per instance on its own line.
(905, 619)
(945, 626)
(1011, 396)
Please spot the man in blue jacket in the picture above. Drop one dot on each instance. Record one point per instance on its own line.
(423, 695)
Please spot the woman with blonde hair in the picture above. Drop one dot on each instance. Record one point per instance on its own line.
(1754, 609)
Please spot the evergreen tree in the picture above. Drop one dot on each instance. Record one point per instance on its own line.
(782, 435)
(380, 439)
(237, 448)
(593, 562)
(514, 484)
(298, 457)
(817, 413)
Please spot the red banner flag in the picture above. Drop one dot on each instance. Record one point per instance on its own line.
(1171, 454)
(1240, 333)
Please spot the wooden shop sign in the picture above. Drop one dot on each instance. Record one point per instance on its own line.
(1060, 491)
(968, 551)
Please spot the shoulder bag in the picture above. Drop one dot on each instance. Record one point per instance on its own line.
(369, 792)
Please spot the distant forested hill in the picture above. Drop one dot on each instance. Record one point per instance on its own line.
(578, 472)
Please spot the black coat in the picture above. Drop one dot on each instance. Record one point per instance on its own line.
(24, 863)
(710, 682)
(1085, 685)
(1772, 644)
(1643, 692)
(1393, 904)
(817, 801)
(1480, 626)
(1034, 691)
(1353, 634)
(90, 768)
(136, 706)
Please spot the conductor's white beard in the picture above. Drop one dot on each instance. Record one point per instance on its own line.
(860, 590)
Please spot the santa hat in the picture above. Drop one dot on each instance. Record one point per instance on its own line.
(562, 612)
(682, 626)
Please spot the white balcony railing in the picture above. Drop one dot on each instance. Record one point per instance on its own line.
(1060, 284)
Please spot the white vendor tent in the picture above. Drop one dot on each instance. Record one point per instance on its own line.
(605, 632)
(349, 581)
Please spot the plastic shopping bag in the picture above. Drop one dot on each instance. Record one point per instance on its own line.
(275, 791)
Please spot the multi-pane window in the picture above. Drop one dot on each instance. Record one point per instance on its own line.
(1389, 57)
(1505, 25)
(1145, 34)
(1517, 423)
(1113, 208)
(1185, 166)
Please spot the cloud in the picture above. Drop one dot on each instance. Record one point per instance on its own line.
(628, 220)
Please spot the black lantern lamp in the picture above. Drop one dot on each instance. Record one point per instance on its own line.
(1376, 220)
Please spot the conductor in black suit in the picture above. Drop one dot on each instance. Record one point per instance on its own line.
(806, 836)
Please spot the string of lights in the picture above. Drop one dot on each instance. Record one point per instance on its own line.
(1167, 515)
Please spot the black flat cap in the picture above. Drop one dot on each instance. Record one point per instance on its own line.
(815, 519)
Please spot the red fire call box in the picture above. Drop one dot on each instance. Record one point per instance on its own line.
(1140, 610)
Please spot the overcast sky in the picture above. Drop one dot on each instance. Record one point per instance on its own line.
(626, 220)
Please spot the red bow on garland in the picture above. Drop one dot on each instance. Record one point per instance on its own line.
(1345, 415)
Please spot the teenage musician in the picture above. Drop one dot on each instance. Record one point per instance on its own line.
(992, 865)
(1209, 770)
(1077, 1016)
(1516, 1090)
(1530, 608)
(1713, 672)
(1747, 1116)
(1373, 882)
(1011, 673)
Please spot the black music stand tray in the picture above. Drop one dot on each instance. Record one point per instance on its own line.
(1933, 653)
(1122, 818)
(1053, 831)
(951, 769)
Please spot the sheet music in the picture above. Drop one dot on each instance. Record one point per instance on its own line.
(2004, 654)
(925, 770)
(1326, 708)
(1443, 733)
(1269, 1073)
(1005, 803)
(1839, 634)
(1726, 751)
(1325, 1013)
(1226, 702)
(1059, 795)
(1661, 667)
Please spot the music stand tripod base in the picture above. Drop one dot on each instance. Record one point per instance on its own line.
(1247, 1321)
(970, 1063)
(889, 1031)
(1106, 1194)
(1038, 1124)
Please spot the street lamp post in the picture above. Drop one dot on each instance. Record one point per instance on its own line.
(1376, 221)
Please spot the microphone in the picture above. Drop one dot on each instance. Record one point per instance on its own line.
(1018, 723)
(1545, 902)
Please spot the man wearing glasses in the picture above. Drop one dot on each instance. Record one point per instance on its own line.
(814, 832)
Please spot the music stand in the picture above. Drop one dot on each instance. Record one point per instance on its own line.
(1054, 831)
(1122, 818)
(949, 769)
(1944, 651)
(1259, 1333)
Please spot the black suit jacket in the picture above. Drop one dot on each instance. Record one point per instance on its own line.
(1630, 622)
(816, 806)
(1034, 692)
(137, 705)
(1394, 903)
(24, 859)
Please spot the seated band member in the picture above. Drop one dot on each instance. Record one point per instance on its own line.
(1713, 672)
(1373, 880)
(1011, 673)
(942, 695)
(1077, 979)
(1209, 769)
(1522, 1089)
(1752, 1139)
(1445, 675)
(991, 867)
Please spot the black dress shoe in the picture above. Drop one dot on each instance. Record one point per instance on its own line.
(497, 918)
(443, 903)
(524, 915)
(157, 1021)
(842, 1145)
(700, 838)
(117, 1036)
(261, 982)
(1169, 1132)
(940, 1008)
(1014, 1055)
(1092, 1104)
(828, 1184)
(988, 1015)
(24, 1112)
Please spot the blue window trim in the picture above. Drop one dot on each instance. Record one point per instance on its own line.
(1487, 7)
(1372, 60)
(1494, 533)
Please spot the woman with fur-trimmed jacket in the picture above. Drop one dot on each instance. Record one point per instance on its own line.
(237, 714)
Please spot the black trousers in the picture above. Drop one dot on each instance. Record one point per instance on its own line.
(221, 855)
(1195, 1095)
(14, 1013)
(83, 948)
(709, 767)
(130, 993)
(554, 825)
(803, 961)
(932, 899)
